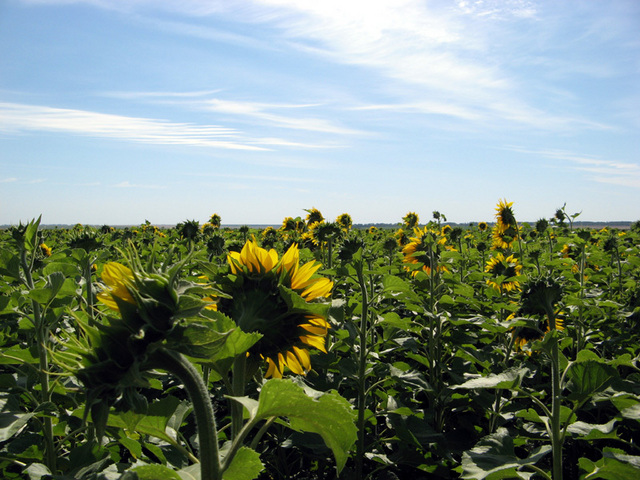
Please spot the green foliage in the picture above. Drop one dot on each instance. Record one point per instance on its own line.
(429, 373)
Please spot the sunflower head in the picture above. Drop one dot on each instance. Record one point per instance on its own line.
(277, 297)
(349, 248)
(504, 235)
(503, 272)
(45, 250)
(504, 213)
(149, 309)
(411, 220)
(423, 249)
(86, 238)
(313, 216)
(215, 220)
(189, 230)
(344, 221)
(482, 226)
(540, 295)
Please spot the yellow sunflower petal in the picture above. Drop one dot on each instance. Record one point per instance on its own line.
(290, 259)
(294, 364)
(302, 275)
(313, 329)
(272, 369)
(314, 341)
(321, 287)
(303, 357)
(117, 278)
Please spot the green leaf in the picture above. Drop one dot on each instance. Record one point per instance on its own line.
(588, 431)
(494, 458)
(628, 405)
(586, 378)
(614, 465)
(66, 268)
(246, 465)
(17, 356)
(31, 234)
(393, 284)
(11, 423)
(327, 414)
(155, 472)
(236, 342)
(153, 423)
(509, 379)
(37, 471)
(9, 265)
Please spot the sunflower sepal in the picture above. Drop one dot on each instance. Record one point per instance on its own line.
(235, 341)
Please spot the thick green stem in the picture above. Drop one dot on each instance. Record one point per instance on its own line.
(42, 339)
(362, 366)
(178, 365)
(88, 282)
(556, 437)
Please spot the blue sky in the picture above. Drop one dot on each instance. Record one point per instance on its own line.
(120, 111)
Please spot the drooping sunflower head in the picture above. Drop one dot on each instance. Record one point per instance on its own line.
(277, 297)
(314, 215)
(536, 330)
(540, 296)
(503, 272)
(422, 249)
(411, 220)
(215, 220)
(504, 236)
(401, 237)
(344, 221)
(504, 213)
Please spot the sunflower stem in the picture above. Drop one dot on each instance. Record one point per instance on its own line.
(178, 365)
(556, 436)
(362, 366)
(42, 342)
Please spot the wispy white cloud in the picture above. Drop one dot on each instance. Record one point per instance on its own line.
(8, 180)
(601, 170)
(19, 118)
(127, 184)
(263, 112)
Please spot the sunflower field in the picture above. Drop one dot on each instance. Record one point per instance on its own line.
(317, 350)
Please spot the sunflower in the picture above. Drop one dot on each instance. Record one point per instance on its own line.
(504, 235)
(411, 220)
(482, 226)
(524, 335)
(417, 251)
(504, 213)
(503, 270)
(313, 216)
(345, 221)
(46, 250)
(276, 297)
(119, 281)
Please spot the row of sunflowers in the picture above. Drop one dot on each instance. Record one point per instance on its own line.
(319, 350)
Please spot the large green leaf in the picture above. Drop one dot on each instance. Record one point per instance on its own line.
(327, 414)
(494, 458)
(153, 423)
(586, 378)
(12, 422)
(509, 379)
(614, 465)
(246, 465)
(155, 472)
